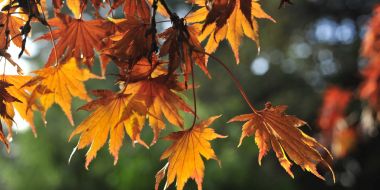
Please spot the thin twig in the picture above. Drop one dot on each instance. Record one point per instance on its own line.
(233, 77)
(194, 93)
(51, 37)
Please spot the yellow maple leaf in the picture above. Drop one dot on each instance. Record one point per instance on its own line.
(161, 97)
(229, 20)
(59, 84)
(76, 6)
(13, 24)
(6, 110)
(112, 114)
(272, 126)
(185, 154)
(22, 94)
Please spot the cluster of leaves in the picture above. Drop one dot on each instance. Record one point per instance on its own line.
(152, 78)
(339, 129)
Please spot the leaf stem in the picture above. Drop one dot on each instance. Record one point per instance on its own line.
(51, 37)
(153, 30)
(233, 78)
(7, 40)
(194, 93)
(173, 17)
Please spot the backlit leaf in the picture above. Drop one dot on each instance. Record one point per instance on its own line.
(75, 38)
(229, 20)
(13, 25)
(161, 97)
(272, 127)
(113, 115)
(59, 84)
(76, 6)
(23, 95)
(185, 154)
(184, 50)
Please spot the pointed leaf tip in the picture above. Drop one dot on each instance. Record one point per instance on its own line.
(185, 154)
(272, 127)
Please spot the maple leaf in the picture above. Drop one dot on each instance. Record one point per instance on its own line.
(371, 43)
(3, 139)
(142, 70)
(59, 84)
(185, 154)
(76, 7)
(335, 102)
(272, 126)
(57, 4)
(182, 46)
(75, 38)
(13, 24)
(229, 20)
(113, 113)
(29, 10)
(336, 132)
(138, 8)
(6, 110)
(370, 87)
(131, 42)
(132, 8)
(22, 94)
(161, 97)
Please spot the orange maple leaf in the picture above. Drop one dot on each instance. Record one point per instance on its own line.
(57, 4)
(13, 97)
(182, 46)
(6, 110)
(142, 70)
(59, 84)
(131, 42)
(229, 20)
(185, 155)
(76, 7)
(132, 8)
(335, 102)
(113, 113)
(13, 24)
(161, 97)
(75, 38)
(23, 95)
(370, 87)
(139, 8)
(272, 126)
(371, 42)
